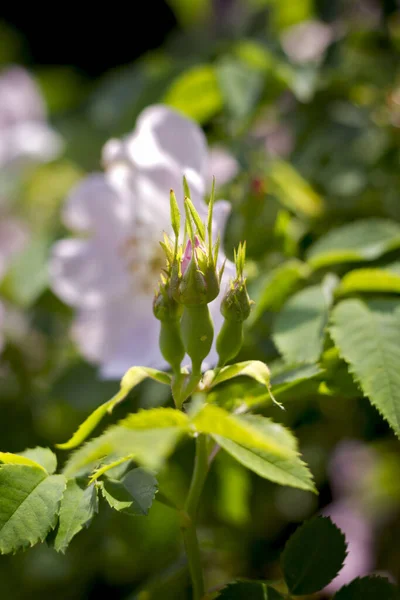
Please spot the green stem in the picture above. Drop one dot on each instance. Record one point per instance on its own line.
(191, 507)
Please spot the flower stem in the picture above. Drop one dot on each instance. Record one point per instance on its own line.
(191, 508)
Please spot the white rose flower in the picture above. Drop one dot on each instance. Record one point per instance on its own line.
(109, 274)
(24, 132)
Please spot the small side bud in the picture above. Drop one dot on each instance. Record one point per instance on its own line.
(169, 312)
(236, 304)
(235, 308)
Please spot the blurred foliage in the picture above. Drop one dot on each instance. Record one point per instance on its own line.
(318, 143)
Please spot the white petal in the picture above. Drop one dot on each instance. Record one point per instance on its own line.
(87, 272)
(28, 142)
(221, 212)
(152, 189)
(96, 205)
(306, 41)
(113, 152)
(20, 98)
(222, 165)
(164, 135)
(360, 544)
(120, 335)
(165, 140)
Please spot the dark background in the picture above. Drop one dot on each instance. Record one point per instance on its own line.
(89, 37)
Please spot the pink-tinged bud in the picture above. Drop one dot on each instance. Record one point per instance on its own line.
(187, 255)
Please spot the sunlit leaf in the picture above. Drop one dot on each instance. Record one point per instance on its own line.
(78, 506)
(367, 335)
(255, 369)
(114, 467)
(196, 93)
(132, 377)
(292, 190)
(369, 280)
(43, 456)
(363, 240)
(284, 467)
(216, 421)
(254, 54)
(149, 436)
(29, 505)
(252, 368)
(8, 458)
(313, 556)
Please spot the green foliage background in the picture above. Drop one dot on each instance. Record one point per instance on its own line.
(325, 299)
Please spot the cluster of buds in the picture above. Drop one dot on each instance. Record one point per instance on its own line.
(189, 282)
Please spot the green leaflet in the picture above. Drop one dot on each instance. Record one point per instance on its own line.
(116, 465)
(252, 368)
(240, 394)
(313, 556)
(300, 326)
(8, 458)
(216, 421)
(367, 334)
(133, 495)
(369, 280)
(78, 506)
(250, 590)
(291, 375)
(368, 588)
(285, 469)
(280, 283)
(29, 504)
(132, 377)
(364, 240)
(196, 93)
(255, 369)
(43, 456)
(293, 190)
(149, 436)
(240, 86)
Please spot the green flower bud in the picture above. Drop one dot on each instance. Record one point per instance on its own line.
(197, 334)
(198, 282)
(192, 289)
(236, 304)
(235, 308)
(169, 312)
